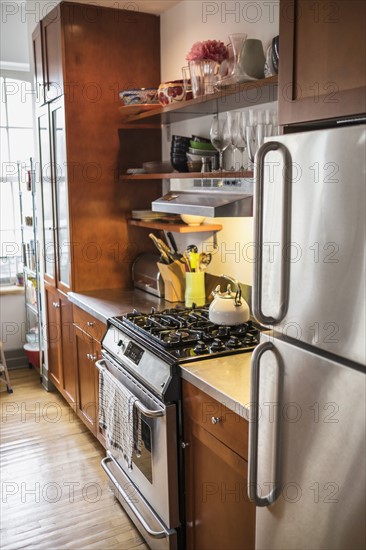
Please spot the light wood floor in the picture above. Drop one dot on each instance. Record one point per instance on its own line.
(55, 494)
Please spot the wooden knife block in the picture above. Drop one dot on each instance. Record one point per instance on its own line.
(174, 277)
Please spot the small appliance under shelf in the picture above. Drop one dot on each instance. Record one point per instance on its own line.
(176, 227)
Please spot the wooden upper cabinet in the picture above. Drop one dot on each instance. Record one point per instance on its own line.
(89, 54)
(52, 54)
(47, 55)
(322, 60)
(38, 64)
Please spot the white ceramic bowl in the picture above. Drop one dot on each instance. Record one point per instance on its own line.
(192, 220)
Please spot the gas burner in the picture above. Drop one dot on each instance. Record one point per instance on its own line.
(234, 342)
(201, 348)
(174, 336)
(187, 332)
(217, 345)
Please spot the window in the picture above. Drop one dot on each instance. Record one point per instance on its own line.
(16, 127)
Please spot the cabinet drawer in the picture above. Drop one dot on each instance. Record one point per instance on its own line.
(227, 426)
(89, 324)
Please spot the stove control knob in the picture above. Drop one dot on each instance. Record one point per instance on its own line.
(121, 344)
(200, 348)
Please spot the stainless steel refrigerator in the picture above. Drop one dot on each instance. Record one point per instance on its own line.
(307, 429)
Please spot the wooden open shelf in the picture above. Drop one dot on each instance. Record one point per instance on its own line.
(187, 175)
(175, 227)
(238, 96)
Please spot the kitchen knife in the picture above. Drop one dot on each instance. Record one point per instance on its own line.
(165, 253)
(173, 244)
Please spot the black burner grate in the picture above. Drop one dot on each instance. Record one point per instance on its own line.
(189, 331)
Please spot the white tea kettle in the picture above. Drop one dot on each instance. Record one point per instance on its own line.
(228, 308)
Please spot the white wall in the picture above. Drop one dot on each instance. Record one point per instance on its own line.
(14, 51)
(195, 20)
(188, 22)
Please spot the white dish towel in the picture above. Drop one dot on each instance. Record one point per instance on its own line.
(118, 416)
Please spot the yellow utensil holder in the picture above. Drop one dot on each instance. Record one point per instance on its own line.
(195, 289)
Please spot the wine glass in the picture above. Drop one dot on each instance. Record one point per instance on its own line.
(238, 135)
(231, 120)
(220, 136)
(251, 134)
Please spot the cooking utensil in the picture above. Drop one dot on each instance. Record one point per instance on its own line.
(204, 261)
(228, 308)
(187, 261)
(162, 248)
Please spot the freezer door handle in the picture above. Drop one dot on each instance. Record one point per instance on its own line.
(254, 432)
(258, 231)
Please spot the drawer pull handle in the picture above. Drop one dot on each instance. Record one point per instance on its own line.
(56, 304)
(215, 419)
(90, 324)
(184, 445)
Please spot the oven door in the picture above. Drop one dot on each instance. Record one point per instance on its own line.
(154, 474)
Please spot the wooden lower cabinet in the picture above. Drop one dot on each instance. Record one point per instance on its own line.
(68, 356)
(87, 352)
(53, 336)
(88, 333)
(218, 513)
(60, 343)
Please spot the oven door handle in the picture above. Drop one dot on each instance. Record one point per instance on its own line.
(155, 534)
(138, 404)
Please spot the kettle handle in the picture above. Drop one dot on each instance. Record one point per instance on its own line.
(237, 299)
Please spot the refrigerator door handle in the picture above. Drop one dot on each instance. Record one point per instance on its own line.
(253, 495)
(258, 231)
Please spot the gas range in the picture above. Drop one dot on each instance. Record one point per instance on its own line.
(187, 334)
(152, 345)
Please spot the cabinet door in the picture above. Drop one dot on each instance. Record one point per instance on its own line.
(218, 512)
(86, 377)
(52, 54)
(68, 357)
(53, 335)
(322, 60)
(38, 64)
(45, 176)
(63, 256)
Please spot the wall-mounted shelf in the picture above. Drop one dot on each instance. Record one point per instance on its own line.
(237, 96)
(176, 227)
(188, 175)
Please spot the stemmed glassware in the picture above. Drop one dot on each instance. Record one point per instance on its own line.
(239, 135)
(261, 125)
(231, 118)
(220, 136)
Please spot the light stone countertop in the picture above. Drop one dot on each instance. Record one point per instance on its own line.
(226, 379)
(103, 304)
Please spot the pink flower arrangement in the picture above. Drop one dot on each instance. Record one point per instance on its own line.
(210, 49)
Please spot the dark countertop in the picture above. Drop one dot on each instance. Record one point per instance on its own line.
(103, 304)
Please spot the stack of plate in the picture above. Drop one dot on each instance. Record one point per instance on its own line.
(146, 215)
